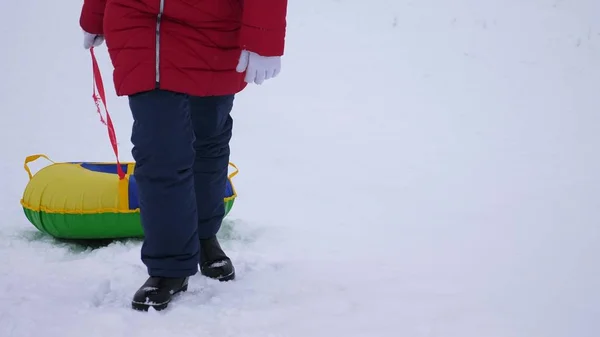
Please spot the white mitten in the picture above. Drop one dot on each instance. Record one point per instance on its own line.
(258, 68)
(92, 40)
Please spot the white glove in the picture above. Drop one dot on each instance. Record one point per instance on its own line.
(258, 68)
(92, 40)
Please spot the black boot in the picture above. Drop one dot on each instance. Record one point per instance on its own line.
(213, 261)
(157, 292)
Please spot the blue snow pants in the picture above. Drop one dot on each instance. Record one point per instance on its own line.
(181, 150)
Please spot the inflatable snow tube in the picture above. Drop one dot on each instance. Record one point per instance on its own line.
(87, 200)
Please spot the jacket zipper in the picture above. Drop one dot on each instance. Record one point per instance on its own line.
(158, 20)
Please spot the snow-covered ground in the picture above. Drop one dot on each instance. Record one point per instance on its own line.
(420, 168)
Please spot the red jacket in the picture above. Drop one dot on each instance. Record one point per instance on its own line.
(187, 46)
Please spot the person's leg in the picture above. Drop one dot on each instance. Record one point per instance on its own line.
(213, 129)
(162, 138)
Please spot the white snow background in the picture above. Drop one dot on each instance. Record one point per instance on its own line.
(420, 168)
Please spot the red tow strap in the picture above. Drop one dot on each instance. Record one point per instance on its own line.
(97, 83)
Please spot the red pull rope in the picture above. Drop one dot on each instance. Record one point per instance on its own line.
(111, 130)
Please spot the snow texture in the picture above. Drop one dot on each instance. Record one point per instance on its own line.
(420, 168)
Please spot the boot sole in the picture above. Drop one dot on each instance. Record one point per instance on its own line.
(227, 277)
(139, 306)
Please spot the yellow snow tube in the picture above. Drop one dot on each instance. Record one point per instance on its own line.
(87, 200)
